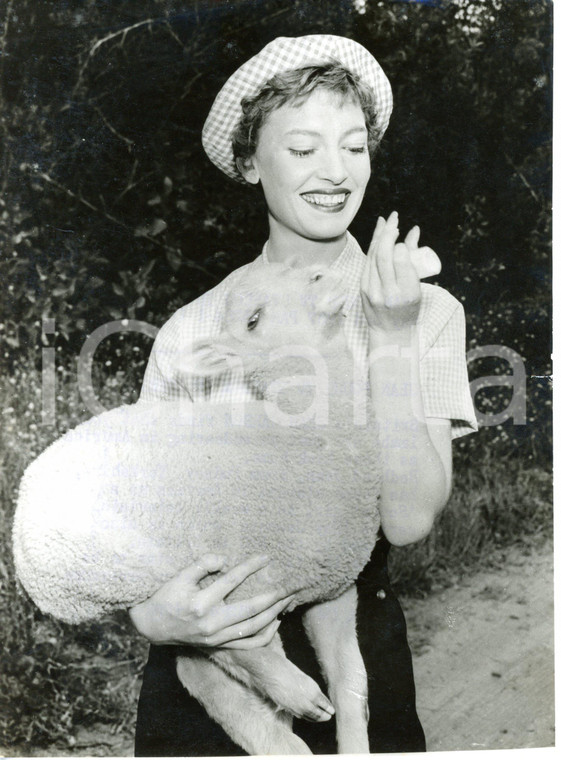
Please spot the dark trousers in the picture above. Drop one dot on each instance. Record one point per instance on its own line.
(171, 723)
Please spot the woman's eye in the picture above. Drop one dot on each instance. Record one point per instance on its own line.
(358, 149)
(253, 320)
(301, 153)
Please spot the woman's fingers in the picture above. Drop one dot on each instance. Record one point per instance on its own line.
(390, 288)
(248, 627)
(260, 639)
(224, 585)
(180, 612)
(380, 224)
(412, 237)
(424, 260)
(405, 273)
(205, 565)
(370, 283)
(249, 615)
(385, 257)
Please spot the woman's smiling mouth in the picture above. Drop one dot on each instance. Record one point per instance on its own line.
(327, 201)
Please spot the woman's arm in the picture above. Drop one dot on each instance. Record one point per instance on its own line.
(417, 470)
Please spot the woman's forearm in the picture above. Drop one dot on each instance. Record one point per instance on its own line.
(415, 485)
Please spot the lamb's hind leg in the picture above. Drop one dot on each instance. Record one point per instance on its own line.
(270, 672)
(331, 628)
(256, 725)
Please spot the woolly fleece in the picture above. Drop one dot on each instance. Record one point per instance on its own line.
(121, 504)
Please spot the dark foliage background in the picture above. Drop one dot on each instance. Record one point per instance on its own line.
(110, 210)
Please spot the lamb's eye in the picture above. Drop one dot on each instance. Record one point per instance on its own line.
(316, 277)
(253, 320)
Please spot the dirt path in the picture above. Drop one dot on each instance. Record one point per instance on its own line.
(484, 665)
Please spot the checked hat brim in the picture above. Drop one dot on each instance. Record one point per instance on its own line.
(286, 54)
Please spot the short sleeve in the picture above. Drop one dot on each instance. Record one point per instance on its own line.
(160, 379)
(202, 318)
(444, 376)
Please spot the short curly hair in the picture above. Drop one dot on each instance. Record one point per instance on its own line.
(293, 87)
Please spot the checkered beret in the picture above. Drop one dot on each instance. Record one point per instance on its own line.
(286, 54)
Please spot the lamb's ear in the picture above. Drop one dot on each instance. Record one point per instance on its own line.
(210, 357)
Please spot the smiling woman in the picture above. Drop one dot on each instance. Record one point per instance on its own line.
(301, 120)
(313, 165)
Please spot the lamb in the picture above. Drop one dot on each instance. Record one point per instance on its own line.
(121, 504)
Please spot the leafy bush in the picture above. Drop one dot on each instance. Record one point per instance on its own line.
(523, 327)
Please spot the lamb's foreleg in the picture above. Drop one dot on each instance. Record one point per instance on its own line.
(268, 671)
(251, 721)
(331, 628)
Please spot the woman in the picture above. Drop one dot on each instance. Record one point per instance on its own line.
(302, 119)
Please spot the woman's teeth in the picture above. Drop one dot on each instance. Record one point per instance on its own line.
(324, 200)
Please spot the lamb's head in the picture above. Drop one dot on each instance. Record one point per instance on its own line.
(271, 307)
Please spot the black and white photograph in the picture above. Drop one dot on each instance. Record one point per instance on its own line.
(276, 426)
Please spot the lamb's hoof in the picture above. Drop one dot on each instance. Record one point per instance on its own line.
(300, 695)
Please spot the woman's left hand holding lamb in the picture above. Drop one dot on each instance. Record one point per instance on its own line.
(181, 612)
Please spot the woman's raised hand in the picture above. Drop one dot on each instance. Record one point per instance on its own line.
(180, 612)
(390, 285)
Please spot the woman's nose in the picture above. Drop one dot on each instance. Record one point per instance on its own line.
(333, 167)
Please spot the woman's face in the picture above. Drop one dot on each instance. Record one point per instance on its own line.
(313, 164)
